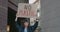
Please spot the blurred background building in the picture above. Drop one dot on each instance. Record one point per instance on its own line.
(8, 9)
(3, 15)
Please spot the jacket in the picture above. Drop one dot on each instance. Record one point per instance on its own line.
(29, 29)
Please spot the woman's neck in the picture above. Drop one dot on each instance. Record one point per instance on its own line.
(26, 27)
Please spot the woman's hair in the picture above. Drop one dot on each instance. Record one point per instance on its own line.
(21, 20)
(26, 20)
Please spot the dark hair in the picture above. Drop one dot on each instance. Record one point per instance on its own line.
(21, 20)
(26, 20)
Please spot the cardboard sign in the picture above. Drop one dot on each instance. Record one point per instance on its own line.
(27, 10)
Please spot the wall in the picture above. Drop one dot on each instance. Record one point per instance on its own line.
(3, 15)
(50, 15)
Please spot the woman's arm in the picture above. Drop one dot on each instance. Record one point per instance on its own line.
(34, 26)
(17, 25)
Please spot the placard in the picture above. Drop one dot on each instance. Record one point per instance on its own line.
(27, 10)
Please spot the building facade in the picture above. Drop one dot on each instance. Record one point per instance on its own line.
(3, 15)
(7, 7)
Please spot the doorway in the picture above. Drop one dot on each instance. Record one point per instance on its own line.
(11, 19)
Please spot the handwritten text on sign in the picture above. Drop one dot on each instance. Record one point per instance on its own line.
(27, 13)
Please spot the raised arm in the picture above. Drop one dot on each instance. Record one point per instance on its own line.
(34, 26)
(17, 25)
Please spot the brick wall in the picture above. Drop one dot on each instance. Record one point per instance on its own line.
(3, 15)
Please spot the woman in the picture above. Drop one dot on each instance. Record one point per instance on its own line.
(26, 27)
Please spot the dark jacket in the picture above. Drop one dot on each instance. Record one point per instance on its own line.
(30, 28)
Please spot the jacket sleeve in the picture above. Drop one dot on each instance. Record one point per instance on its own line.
(34, 26)
(17, 25)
